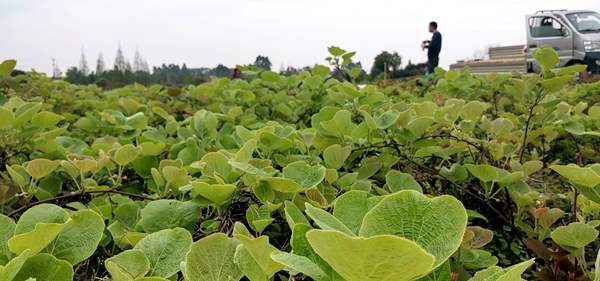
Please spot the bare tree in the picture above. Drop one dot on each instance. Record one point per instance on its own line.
(100, 64)
(121, 63)
(83, 66)
(56, 73)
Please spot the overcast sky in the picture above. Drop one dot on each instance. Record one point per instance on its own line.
(290, 32)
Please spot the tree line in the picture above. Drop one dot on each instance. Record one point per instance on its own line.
(386, 64)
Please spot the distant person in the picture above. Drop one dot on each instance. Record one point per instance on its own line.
(433, 46)
(237, 74)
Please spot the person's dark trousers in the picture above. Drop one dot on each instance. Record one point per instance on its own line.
(432, 63)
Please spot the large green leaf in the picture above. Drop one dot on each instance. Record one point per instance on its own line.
(7, 230)
(39, 168)
(38, 227)
(305, 175)
(437, 224)
(12, 268)
(46, 119)
(581, 176)
(326, 220)
(45, 267)
(128, 265)
(350, 209)
(281, 184)
(169, 213)
(574, 236)
(377, 258)
(301, 264)
(79, 238)
(6, 117)
(212, 259)
(546, 57)
(396, 181)
(126, 154)
(496, 273)
(6, 67)
(260, 250)
(219, 194)
(165, 250)
(335, 155)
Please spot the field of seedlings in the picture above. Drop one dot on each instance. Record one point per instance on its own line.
(302, 177)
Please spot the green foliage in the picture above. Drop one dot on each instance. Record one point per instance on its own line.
(301, 176)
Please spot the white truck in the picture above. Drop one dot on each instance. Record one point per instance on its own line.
(574, 34)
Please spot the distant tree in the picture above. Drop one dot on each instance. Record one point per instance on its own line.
(221, 71)
(100, 64)
(363, 74)
(263, 62)
(393, 61)
(137, 62)
(83, 66)
(121, 63)
(75, 75)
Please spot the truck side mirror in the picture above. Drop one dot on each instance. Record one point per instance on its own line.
(564, 31)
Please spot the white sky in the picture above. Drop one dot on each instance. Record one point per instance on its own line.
(290, 32)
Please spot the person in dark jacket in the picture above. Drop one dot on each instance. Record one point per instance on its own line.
(433, 46)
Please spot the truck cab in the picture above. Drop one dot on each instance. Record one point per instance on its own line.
(575, 35)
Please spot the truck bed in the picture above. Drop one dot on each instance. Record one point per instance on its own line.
(506, 59)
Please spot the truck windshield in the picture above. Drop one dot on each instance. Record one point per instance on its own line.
(585, 21)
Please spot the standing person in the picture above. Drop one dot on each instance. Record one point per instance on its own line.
(237, 74)
(433, 46)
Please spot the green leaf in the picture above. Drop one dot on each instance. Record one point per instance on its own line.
(45, 267)
(128, 265)
(46, 119)
(570, 70)
(7, 230)
(35, 240)
(336, 51)
(581, 176)
(546, 57)
(496, 273)
(248, 265)
(219, 194)
(48, 187)
(382, 257)
(335, 155)
(12, 268)
(169, 213)
(305, 175)
(282, 184)
(269, 76)
(6, 67)
(212, 259)
(574, 236)
(300, 264)
(39, 168)
(293, 215)
(397, 181)
(7, 117)
(437, 224)
(350, 208)
(483, 172)
(37, 227)
(473, 110)
(126, 154)
(387, 119)
(165, 250)
(259, 250)
(79, 238)
(325, 220)
(442, 273)
(245, 153)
